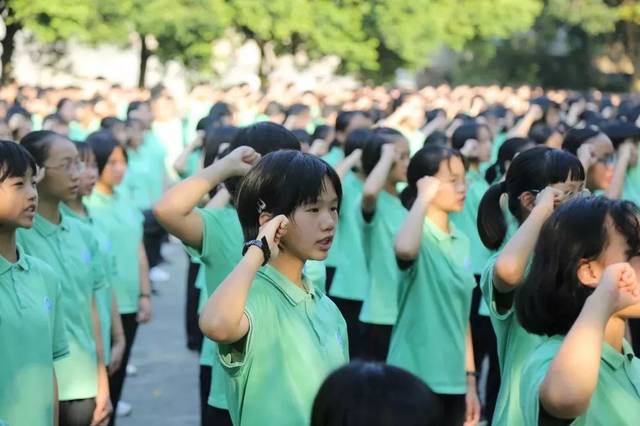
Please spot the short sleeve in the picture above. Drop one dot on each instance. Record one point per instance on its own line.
(489, 291)
(208, 237)
(533, 373)
(99, 265)
(60, 347)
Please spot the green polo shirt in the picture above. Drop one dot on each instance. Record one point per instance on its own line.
(145, 177)
(467, 220)
(514, 345)
(222, 242)
(380, 305)
(631, 187)
(616, 400)
(433, 317)
(73, 252)
(296, 339)
(351, 279)
(121, 222)
(104, 296)
(316, 273)
(33, 337)
(334, 156)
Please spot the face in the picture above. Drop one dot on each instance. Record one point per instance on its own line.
(359, 121)
(114, 170)
(399, 170)
(600, 174)
(453, 188)
(18, 201)
(89, 176)
(119, 131)
(313, 226)
(484, 144)
(62, 172)
(135, 133)
(68, 111)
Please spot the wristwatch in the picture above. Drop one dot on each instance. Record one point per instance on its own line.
(262, 244)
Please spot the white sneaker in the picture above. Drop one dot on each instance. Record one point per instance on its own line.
(157, 274)
(124, 409)
(131, 370)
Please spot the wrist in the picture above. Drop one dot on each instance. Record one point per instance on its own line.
(255, 256)
(597, 308)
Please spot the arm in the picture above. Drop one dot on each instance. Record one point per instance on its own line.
(175, 210)
(219, 200)
(117, 337)
(343, 167)
(472, 401)
(513, 259)
(521, 129)
(144, 304)
(377, 178)
(181, 162)
(572, 377)
(409, 238)
(620, 171)
(223, 318)
(103, 402)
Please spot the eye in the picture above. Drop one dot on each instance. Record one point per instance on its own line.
(313, 210)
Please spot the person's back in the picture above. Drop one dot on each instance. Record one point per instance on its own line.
(374, 394)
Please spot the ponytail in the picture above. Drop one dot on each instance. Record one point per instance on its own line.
(492, 173)
(408, 196)
(492, 225)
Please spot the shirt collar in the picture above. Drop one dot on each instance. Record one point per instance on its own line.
(291, 292)
(22, 262)
(438, 233)
(46, 228)
(614, 358)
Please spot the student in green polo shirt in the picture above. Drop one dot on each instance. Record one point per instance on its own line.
(110, 322)
(432, 335)
(32, 328)
(581, 288)
(536, 181)
(278, 336)
(71, 249)
(114, 214)
(385, 158)
(346, 122)
(214, 235)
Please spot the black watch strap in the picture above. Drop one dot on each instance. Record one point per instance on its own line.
(263, 245)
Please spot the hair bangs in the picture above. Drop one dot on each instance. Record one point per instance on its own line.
(15, 161)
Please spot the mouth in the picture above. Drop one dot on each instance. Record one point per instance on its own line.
(30, 211)
(325, 243)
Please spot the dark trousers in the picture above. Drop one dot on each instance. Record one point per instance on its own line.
(634, 328)
(153, 237)
(116, 382)
(78, 412)
(485, 346)
(454, 409)
(194, 335)
(350, 310)
(210, 416)
(375, 341)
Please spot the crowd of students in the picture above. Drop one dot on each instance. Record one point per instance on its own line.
(473, 250)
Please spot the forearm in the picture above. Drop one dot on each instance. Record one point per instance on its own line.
(180, 164)
(617, 181)
(469, 359)
(222, 315)
(513, 259)
(521, 129)
(343, 167)
(409, 238)
(145, 285)
(573, 375)
(117, 330)
(103, 377)
(374, 183)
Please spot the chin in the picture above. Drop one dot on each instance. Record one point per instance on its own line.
(318, 255)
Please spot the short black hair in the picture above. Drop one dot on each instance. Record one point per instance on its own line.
(373, 147)
(283, 181)
(437, 137)
(375, 394)
(356, 139)
(134, 105)
(343, 119)
(109, 123)
(506, 153)
(38, 144)
(215, 136)
(15, 161)
(61, 103)
(551, 297)
(103, 143)
(302, 135)
(576, 137)
(263, 137)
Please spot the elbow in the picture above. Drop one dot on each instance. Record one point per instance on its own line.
(563, 403)
(507, 271)
(212, 328)
(405, 253)
(161, 211)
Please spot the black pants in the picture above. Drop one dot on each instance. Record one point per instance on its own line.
(210, 416)
(116, 382)
(154, 236)
(454, 409)
(375, 341)
(634, 328)
(485, 346)
(194, 335)
(217, 417)
(78, 412)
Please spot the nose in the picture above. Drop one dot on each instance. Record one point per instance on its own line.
(329, 221)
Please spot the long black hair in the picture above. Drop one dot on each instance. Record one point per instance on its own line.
(551, 297)
(506, 153)
(532, 170)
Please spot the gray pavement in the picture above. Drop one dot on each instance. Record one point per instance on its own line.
(165, 390)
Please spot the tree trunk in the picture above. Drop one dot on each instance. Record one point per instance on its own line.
(633, 51)
(8, 47)
(145, 54)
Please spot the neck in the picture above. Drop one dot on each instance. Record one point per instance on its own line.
(104, 188)
(440, 218)
(390, 187)
(77, 206)
(8, 248)
(474, 166)
(49, 209)
(289, 266)
(614, 333)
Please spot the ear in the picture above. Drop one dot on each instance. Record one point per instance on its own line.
(589, 273)
(527, 200)
(264, 218)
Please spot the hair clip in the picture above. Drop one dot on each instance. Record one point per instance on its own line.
(261, 206)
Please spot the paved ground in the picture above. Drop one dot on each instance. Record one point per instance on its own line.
(165, 390)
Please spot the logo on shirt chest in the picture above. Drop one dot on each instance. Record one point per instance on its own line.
(46, 303)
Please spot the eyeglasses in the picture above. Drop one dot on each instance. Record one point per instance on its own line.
(607, 160)
(568, 195)
(69, 166)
